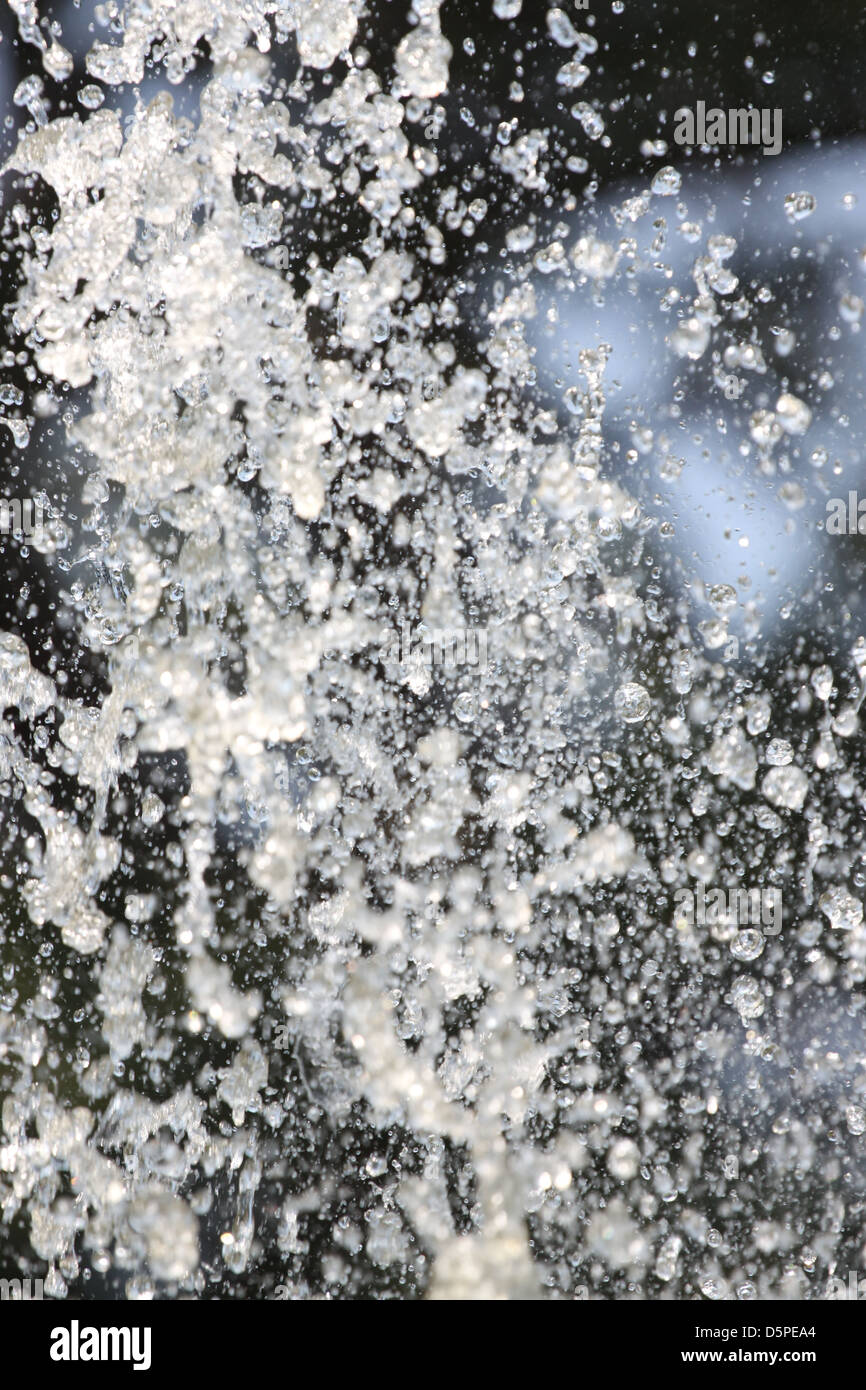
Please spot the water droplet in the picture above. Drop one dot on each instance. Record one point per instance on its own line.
(779, 752)
(464, 707)
(747, 944)
(747, 998)
(690, 338)
(786, 787)
(799, 205)
(561, 29)
(714, 1289)
(822, 682)
(855, 1119)
(632, 703)
(851, 308)
(793, 415)
(667, 182)
(844, 911)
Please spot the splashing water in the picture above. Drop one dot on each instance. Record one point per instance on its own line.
(325, 969)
